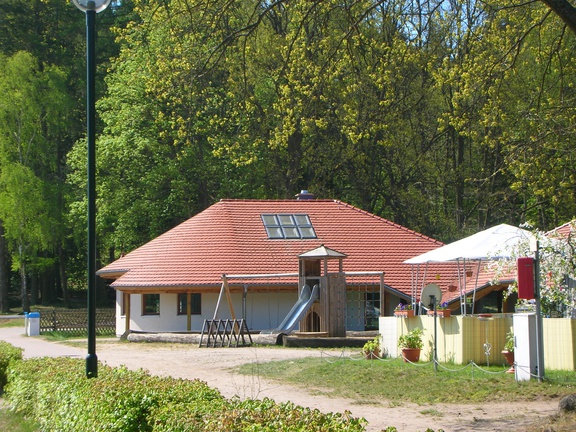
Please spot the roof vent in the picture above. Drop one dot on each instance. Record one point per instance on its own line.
(304, 195)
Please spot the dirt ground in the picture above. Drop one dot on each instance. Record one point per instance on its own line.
(213, 365)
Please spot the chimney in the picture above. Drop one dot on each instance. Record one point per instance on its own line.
(304, 195)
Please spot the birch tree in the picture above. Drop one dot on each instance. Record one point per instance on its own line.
(33, 109)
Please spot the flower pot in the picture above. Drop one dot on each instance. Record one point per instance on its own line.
(372, 355)
(404, 313)
(509, 356)
(442, 313)
(411, 355)
(469, 273)
(452, 288)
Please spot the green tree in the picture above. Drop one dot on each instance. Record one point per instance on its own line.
(416, 111)
(23, 211)
(530, 112)
(34, 113)
(53, 32)
(341, 99)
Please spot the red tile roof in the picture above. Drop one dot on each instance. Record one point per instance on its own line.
(565, 230)
(229, 238)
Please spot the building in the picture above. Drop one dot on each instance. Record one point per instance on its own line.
(174, 282)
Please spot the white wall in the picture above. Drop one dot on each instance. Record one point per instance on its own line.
(389, 334)
(168, 320)
(120, 320)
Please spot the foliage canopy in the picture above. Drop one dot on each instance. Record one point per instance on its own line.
(445, 117)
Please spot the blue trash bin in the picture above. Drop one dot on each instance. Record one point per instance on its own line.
(33, 328)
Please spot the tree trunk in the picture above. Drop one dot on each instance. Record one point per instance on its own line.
(4, 306)
(63, 277)
(24, 286)
(45, 298)
(460, 183)
(294, 162)
(34, 289)
(565, 11)
(101, 286)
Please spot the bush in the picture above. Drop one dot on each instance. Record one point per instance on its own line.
(509, 345)
(412, 339)
(8, 354)
(56, 394)
(268, 416)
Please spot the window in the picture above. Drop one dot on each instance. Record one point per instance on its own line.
(372, 310)
(196, 303)
(150, 304)
(288, 226)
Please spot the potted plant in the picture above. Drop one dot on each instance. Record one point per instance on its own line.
(404, 310)
(371, 349)
(508, 351)
(441, 310)
(411, 343)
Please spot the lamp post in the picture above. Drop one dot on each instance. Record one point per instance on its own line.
(90, 8)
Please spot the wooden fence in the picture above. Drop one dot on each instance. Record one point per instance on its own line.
(462, 339)
(75, 322)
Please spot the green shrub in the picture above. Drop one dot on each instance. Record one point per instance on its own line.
(56, 394)
(509, 345)
(39, 387)
(8, 354)
(412, 339)
(268, 416)
(251, 415)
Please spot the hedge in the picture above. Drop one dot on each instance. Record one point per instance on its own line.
(8, 354)
(55, 393)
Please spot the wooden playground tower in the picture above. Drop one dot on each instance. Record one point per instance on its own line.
(327, 316)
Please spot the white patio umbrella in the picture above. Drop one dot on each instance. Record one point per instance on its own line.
(491, 244)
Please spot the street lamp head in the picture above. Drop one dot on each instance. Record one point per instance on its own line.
(91, 5)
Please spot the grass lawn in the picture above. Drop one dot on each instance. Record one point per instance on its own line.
(396, 381)
(12, 322)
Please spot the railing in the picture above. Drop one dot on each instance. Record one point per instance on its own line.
(75, 322)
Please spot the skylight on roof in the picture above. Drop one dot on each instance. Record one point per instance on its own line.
(288, 226)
